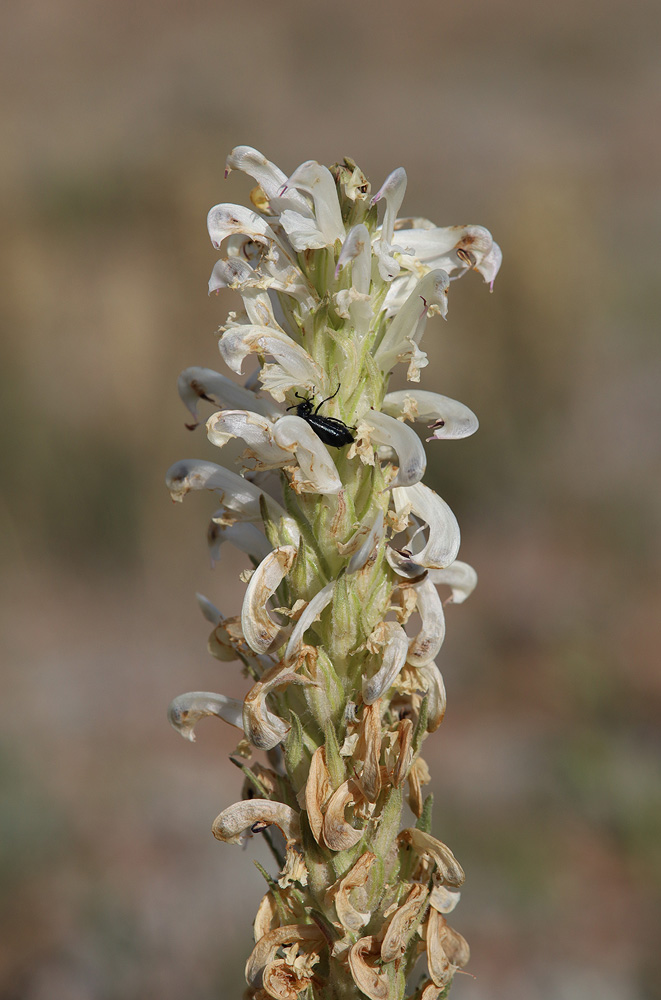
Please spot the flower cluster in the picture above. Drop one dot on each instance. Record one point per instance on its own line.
(342, 619)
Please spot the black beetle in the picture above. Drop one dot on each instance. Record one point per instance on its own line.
(331, 430)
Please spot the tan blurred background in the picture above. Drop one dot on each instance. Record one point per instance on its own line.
(539, 121)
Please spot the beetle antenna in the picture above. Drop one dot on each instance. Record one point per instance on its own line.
(329, 397)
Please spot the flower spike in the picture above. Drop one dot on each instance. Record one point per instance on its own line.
(352, 567)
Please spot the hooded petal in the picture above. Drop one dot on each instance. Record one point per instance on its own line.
(392, 638)
(444, 535)
(411, 456)
(461, 577)
(256, 431)
(195, 384)
(236, 220)
(351, 918)
(338, 834)
(405, 331)
(261, 633)
(244, 536)
(431, 681)
(317, 181)
(450, 418)
(235, 823)
(448, 248)
(403, 924)
(370, 978)
(357, 250)
(427, 644)
(449, 869)
(267, 946)
(310, 614)
(365, 543)
(317, 472)
(186, 710)
(236, 494)
(393, 190)
(294, 369)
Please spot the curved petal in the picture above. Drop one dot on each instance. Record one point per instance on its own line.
(296, 369)
(245, 536)
(450, 418)
(235, 823)
(256, 431)
(186, 710)
(338, 834)
(461, 577)
(309, 615)
(316, 472)
(427, 643)
(357, 249)
(406, 329)
(449, 869)
(261, 633)
(236, 493)
(391, 637)
(195, 384)
(317, 181)
(368, 538)
(405, 442)
(444, 535)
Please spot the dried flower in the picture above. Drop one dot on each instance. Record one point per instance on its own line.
(347, 545)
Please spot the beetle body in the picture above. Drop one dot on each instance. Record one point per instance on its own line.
(332, 431)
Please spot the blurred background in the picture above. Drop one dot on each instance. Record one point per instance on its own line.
(539, 121)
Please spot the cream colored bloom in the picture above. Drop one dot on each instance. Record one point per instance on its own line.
(320, 485)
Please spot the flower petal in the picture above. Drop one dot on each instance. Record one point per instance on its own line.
(450, 418)
(245, 536)
(392, 638)
(309, 615)
(186, 710)
(351, 918)
(317, 472)
(204, 383)
(371, 534)
(357, 250)
(261, 633)
(235, 823)
(403, 923)
(338, 834)
(386, 430)
(317, 181)
(318, 790)
(444, 535)
(427, 643)
(449, 869)
(461, 577)
(405, 331)
(237, 494)
(256, 431)
(368, 977)
(267, 946)
(296, 369)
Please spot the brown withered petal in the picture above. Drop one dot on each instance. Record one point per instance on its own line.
(369, 748)
(266, 916)
(351, 918)
(443, 899)
(261, 632)
(282, 982)
(263, 728)
(428, 991)
(440, 968)
(338, 834)
(402, 924)
(369, 981)
(455, 945)
(235, 822)
(415, 793)
(448, 867)
(265, 949)
(404, 752)
(318, 790)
